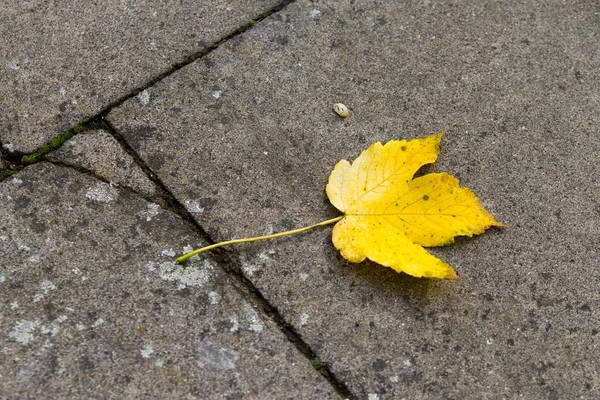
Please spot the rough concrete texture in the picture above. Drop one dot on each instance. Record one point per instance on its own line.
(97, 151)
(63, 63)
(246, 138)
(93, 305)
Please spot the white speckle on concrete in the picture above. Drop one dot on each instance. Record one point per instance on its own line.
(62, 91)
(102, 193)
(159, 363)
(3, 238)
(80, 326)
(61, 319)
(13, 64)
(303, 276)
(193, 206)
(10, 148)
(144, 97)
(489, 341)
(314, 13)
(23, 332)
(394, 378)
(373, 396)
(52, 330)
(46, 287)
(216, 93)
(76, 271)
(303, 319)
(34, 258)
(407, 363)
(151, 211)
(249, 269)
(2, 279)
(168, 253)
(51, 244)
(266, 255)
(189, 276)
(214, 297)
(147, 351)
(14, 305)
(235, 325)
(253, 319)
(217, 357)
(98, 322)
(21, 245)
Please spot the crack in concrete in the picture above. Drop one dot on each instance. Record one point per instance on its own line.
(31, 158)
(232, 266)
(226, 260)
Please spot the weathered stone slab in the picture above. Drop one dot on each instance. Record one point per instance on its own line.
(246, 138)
(99, 152)
(93, 305)
(63, 64)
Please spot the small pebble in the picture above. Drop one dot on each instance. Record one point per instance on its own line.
(341, 110)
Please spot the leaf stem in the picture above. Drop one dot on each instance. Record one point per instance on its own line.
(257, 238)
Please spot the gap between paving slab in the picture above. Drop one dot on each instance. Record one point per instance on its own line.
(233, 267)
(246, 141)
(469, 171)
(77, 153)
(94, 305)
(97, 152)
(55, 152)
(32, 94)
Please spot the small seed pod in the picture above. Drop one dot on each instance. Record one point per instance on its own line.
(341, 110)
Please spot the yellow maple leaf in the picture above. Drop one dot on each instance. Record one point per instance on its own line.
(388, 215)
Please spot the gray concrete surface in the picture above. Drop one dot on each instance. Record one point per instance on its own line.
(94, 306)
(98, 152)
(64, 62)
(245, 137)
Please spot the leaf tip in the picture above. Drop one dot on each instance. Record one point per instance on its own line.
(499, 224)
(452, 275)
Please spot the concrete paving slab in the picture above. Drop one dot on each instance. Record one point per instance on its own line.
(99, 152)
(62, 64)
(246, 138)
(94, 307)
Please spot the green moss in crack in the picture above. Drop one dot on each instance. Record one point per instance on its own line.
(6, 173)
(52, 145)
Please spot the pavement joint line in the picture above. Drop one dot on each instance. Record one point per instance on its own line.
(223, 257)
(91, 173)
(229, 263)
(37, 155)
